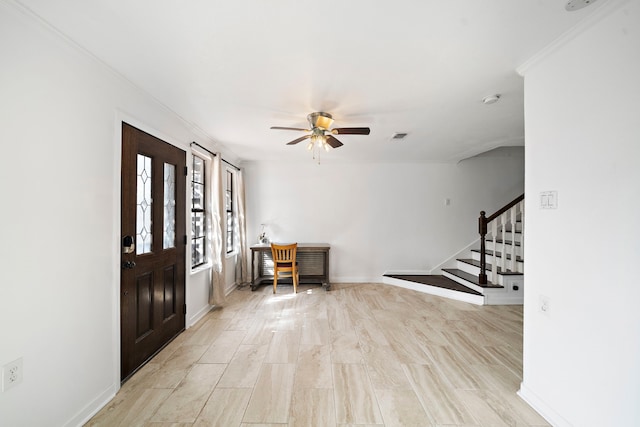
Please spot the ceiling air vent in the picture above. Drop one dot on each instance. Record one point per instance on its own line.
(399, 135)
(577, 4)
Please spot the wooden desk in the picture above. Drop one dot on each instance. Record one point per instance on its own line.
(313, 264)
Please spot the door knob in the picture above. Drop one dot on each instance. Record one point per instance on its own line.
(128, 265)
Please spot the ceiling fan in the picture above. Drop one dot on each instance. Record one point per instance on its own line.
(320, 135)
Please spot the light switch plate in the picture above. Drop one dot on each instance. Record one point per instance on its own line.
(548, 199)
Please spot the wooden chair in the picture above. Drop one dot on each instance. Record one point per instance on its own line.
(284, 262)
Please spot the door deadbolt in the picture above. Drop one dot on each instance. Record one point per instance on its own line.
(127, 245)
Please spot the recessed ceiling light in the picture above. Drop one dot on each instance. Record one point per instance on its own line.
(577, 4)
(491, 99)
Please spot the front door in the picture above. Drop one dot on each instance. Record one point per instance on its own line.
(152, 280)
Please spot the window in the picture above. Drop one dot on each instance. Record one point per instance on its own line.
(198, 229)
(229, 206)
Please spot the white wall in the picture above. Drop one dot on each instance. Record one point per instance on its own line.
(582, 104)
(379, 217)
(60, 113)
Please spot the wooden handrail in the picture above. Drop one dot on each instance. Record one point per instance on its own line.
(505, 208)
(483, 222)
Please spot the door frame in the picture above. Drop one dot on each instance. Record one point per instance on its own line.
(120, 118)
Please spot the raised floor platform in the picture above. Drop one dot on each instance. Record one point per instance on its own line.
(435, 285)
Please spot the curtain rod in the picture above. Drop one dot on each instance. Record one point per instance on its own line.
(214, 154)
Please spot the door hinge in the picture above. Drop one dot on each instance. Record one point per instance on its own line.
(185, 239)
(184, 309)
(186, 171)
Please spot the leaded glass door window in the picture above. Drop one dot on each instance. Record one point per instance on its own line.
(153, 217)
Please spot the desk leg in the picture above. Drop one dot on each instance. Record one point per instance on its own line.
(253, 270)
(327, 284)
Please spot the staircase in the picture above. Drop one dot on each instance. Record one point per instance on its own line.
(492, 274)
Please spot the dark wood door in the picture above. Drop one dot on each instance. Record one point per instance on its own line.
(152, 280)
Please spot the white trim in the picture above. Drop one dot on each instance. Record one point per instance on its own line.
(59, 35)
(199, 315)
(542, 407)
(93, 407)
(434, 290)
(503, 299)
(199, 269)
(604, 9)
(465, 282)
(408, 272)
(197, 151)
(354, 279)
(121, 117)
(451, 261)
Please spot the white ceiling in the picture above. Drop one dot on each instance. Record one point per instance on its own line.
(234, 68)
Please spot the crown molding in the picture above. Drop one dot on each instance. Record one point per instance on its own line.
(606, 8)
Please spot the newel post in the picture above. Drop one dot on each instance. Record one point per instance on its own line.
(482, 228)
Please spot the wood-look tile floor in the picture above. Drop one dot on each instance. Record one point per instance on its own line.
(359, 355)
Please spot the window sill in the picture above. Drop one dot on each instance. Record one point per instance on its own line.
(231, 254)
(201, 268)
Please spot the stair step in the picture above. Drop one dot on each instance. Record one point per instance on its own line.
(498, 254)
(434, 280)
(471, 278)
(488, 267)
(506, 242)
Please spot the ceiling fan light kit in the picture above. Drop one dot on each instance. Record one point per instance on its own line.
(320, 135)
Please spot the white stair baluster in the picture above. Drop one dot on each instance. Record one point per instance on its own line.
(521, 205)
(512, 251)
(494, 259)
(503, 251)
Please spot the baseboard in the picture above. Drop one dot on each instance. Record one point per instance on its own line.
(542, 408)
(93, 407)
(451, 261)
(498, 299)
(354, 279)
(199, 315)
(408, 272)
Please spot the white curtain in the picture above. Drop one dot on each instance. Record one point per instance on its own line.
(215, 206)
(242, 230)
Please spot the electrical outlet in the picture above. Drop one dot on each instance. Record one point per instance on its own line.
(545, 304)
(11, 374)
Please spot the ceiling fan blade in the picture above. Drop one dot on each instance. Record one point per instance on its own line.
(333, 142)
(285, 128)
(295, 141)
(351, 131)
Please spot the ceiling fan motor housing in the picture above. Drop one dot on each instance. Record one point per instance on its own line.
(320, 120)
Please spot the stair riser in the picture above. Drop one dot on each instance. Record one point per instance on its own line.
(464, 282)
(489, 259)
(500, 280)
(509, 228)
(467, 268)
(476, 254)
(472, 269)
(446, 293)
(489, 245)
(506, 236)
